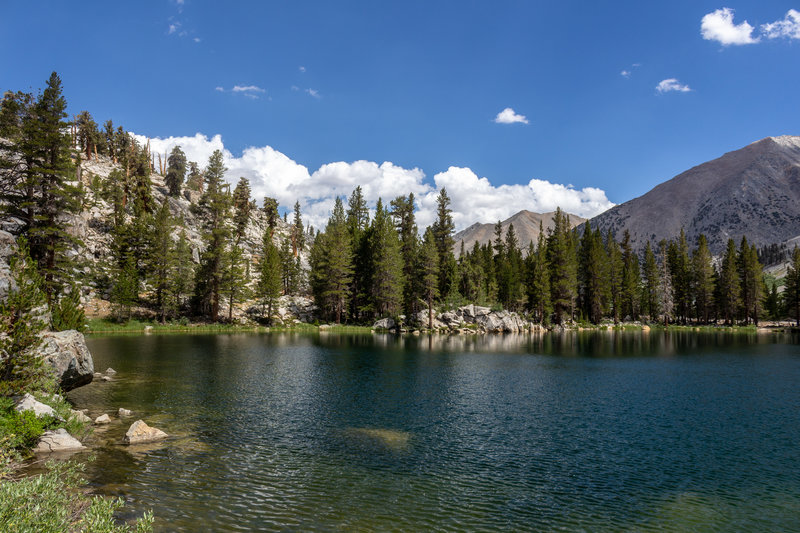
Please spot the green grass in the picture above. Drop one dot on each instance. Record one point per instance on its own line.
(54, 502)
(103, 326)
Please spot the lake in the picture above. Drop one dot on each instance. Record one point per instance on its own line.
(594, 431)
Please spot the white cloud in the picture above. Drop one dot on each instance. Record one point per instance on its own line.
(173, 28)
(197, 39)
(248, 89)
(625, 73)
(718, 26)
(508, 116)
(474, 199)
(670, 85)
(301, 68)
(314, 93)
(789, 27)
(219, 89)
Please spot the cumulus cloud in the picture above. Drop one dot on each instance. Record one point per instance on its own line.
(272, 173)
(672, 85)
(508, 116)
(718, 26)
(788, 28)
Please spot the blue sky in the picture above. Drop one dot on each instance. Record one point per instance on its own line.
(309, 98)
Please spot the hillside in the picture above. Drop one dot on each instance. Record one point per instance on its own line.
(753, 191)
(526, 226)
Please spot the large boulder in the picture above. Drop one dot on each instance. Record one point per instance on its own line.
(139, 433)
(66, 352)
(57, 440)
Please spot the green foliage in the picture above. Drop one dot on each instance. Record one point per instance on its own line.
(67, 312)
(176, 171)
(21, 369)
(331, 265)
(791, 292)
(51, 503)
(269, 285)
(19, 431)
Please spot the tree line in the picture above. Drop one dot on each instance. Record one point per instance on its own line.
(362, 266)
(365, 269)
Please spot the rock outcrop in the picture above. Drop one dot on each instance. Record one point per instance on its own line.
(469, 318)
(66, 352)
(57, 440)
(139, 433)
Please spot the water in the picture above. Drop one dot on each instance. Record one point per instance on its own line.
(575, 432)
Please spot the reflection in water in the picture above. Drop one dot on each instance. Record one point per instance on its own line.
(600, 431)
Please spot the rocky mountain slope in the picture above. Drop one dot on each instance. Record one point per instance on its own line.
(526, 226)
(754, 191)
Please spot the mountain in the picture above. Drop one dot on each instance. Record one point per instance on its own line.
(753, 191)
(526, 226)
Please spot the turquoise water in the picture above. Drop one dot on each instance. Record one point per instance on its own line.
(578, 432)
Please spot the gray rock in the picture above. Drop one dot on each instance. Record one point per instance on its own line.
(110, 371)
(102, 419)
(106, 378)
(384, 323)
(67, 354)
(7, 247)
(80, 416)
(481, 311)
(139, 432)
(29, 403)
(57, 440)
(124, 412)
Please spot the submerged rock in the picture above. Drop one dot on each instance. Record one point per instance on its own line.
(66, 352)
(139, 432)
(57, 440)
(102, 419)
(389, 438)
(29, 403)
(124, 412)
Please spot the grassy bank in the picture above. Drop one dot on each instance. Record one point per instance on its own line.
(54, 501)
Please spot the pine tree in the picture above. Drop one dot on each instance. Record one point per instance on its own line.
(162, 260)
(242, 207)
(614, 272)
(386, 265)
(703, 280)
(593, 274)
(538, 279)
(563, 266)
(729, 285)
(680, 275)
(298, 235)
(271, 214)
(194, 181)
(176, 171)
(215, 203)
(405, 222)
(88, 134)
(37, 187)
(233, 283)
(630, 290)
(357, 226)
(650, 297)
(751, 280)
(791, 291)
(665, 289)
(443, 229)
(269, 282)
(428, 271)
(332, 267)
(68, 313)
(182, 279)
